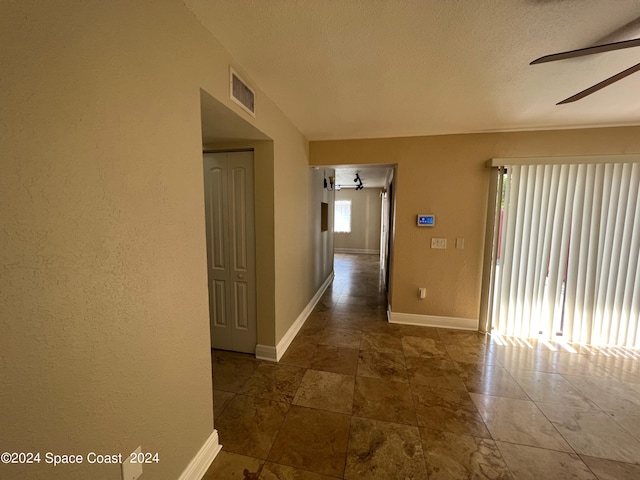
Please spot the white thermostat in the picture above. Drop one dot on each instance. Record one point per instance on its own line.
(426, 220)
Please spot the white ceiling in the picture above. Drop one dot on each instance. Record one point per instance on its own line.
(382, 68)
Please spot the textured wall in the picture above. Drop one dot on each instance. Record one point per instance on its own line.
(446, 176)
(320, 262)
(104, 322)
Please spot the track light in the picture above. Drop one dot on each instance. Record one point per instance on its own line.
(358, 181)
(329, 186)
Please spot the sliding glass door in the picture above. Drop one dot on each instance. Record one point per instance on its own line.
(566, 252)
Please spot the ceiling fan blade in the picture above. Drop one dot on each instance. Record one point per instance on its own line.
(601, 85)
(607, 47)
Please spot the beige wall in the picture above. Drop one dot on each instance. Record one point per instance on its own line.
(446, 176)
(320, 264)
(365, 220)
(104, 322)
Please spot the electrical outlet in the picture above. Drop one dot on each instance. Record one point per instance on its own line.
(460, 243)
(422, 292)
(440, 243)
(131, 471)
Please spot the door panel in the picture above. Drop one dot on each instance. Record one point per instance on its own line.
(239, 215)
(231, 249)
(219, 304)
(241, 304)
(217, 216)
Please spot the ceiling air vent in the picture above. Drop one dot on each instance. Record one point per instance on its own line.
(242, 94)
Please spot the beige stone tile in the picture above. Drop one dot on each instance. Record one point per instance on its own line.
(382, 451)
(231, 370)
(382, 342)
(324, 305)
(471, 353)
(593, 433)
(629, 421)
(326, 391)
(249, 425)
(312, 332)
(359, 300)
(390, 366)
(490, 380)
(575, 364)
(437, 372)
(551, 388)
(348, 322)
(607, 393)
(381, 325)
(460, 457)
(360, 310)
(384, 400)
(335, 359)
(274, 471)
(231, 466)
(274, 382)
(419, 331)
(316, 320)
(448, 410)
(314, 440)
(626, 369)
(462, 336)
(512, 342)
(518, 421)
(611, 470)
(341, 337)
(516, 358)
(220, 400)
(530, 463)
(299, 354)
(332, 294)
(423, 347)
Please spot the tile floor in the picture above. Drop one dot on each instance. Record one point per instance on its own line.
(355, 397)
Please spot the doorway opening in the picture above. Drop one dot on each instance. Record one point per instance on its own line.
(238, 204)
(364, 215)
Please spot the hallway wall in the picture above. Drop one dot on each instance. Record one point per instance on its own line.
(365, 221)
(446, 175)
(104, 326)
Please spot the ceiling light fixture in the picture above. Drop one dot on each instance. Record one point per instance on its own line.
(358, 181)
(329, 186)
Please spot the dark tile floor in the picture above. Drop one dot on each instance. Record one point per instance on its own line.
(355, 397)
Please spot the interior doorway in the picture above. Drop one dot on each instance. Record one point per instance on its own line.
(389, 236)
(365, 198)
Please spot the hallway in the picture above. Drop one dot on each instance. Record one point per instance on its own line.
(355, 397)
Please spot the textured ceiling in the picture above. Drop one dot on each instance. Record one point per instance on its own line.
(382, 68)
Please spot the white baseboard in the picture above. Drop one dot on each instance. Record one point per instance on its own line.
(433, 321)
(203, 459)
(266, 352)
(357, 250)
(274, 354)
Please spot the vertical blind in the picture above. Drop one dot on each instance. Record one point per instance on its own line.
(567, 262)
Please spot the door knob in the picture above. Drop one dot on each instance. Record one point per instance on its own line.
(240, 276)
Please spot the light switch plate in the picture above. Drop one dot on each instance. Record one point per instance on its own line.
(460, 242)
(440, 243)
